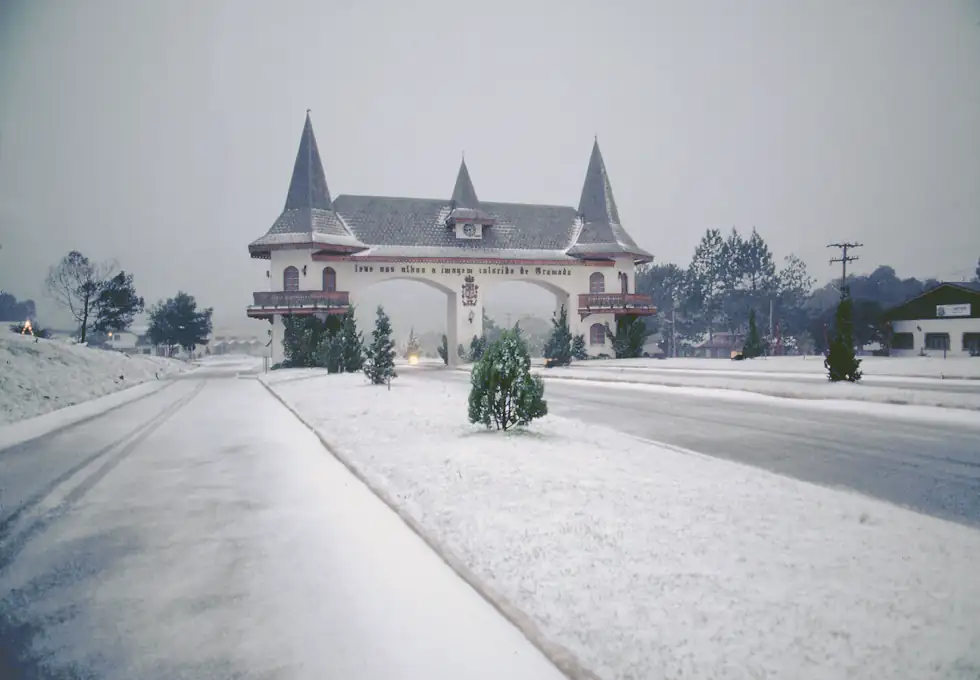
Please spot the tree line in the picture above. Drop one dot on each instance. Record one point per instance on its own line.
(735, 277)
(101, 299)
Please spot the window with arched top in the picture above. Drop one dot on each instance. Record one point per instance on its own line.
(624, 283)
(597, 334)
(329, 279)
(597, 283)
(290, 278)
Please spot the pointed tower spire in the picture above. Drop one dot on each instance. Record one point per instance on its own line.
(597, 203)
(308, 187)
(464, 195)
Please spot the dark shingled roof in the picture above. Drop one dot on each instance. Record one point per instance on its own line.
(376, 222)
(464, 195)
(602, 233)
(308, 215)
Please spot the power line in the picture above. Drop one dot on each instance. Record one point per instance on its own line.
(844, 259)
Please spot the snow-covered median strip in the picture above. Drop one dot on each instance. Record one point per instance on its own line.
(807, 387)
(930, 367)
(47, 375)
(773, 388)
(649, 562)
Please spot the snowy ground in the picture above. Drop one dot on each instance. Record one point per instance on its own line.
(924, 367)
(654, 562)
(39, 377)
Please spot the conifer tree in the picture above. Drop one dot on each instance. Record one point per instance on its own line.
(478, 346)
(503, 392)
(841, 361)
(351, 343)
(558, 348)
(579, 351)
(379, 365)
(413, 344)
(444, 350)
(753, 343)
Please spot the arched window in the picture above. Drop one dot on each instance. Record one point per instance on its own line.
(597, 283)
(624, 283)
(597, 333)
(290, 278)
(329, 279)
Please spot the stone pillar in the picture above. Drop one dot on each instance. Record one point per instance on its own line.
(452, 333)
(278, 333)
(464, 319)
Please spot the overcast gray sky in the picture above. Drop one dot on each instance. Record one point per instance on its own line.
(162, 134)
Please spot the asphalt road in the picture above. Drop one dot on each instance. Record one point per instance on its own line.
(203, 532)
(932, 468)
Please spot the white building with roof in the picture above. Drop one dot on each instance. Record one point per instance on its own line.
(943, 321)
(324, 252)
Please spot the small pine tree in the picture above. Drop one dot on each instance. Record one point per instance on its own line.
(841, 361)
(301, 341)
(753, 343)
(503, 392)
(579, 351)
(413, 344)
(380, 360)
(558, 347)
(444, 350)
(627, 341)
(330, 354)
(478, 346)
(351, 344)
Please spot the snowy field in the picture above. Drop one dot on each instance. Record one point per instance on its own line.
(653, 562)
(922, 367)
(40, 377)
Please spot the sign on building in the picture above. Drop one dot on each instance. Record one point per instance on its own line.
(943, 311)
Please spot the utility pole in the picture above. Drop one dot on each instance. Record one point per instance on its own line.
(844, 259)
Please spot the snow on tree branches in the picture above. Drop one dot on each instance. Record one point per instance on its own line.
(379, 365)
(503, 392)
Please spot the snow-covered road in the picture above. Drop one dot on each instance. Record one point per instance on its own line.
(203, 532)
(929, 467)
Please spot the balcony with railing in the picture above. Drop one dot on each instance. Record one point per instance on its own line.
(616, 303)
(267, 303)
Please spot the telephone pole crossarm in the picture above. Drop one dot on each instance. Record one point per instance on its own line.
(844, 259)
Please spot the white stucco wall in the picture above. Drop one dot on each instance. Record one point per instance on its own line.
(918, 328)
(565, 281)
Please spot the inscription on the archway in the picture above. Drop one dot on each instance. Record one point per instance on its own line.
(462, 271)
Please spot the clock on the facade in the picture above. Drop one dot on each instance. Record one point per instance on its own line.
(469, 229)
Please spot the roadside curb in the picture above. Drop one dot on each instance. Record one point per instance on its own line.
(561, 657)
(21, 432)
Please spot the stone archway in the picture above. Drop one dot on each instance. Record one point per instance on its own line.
(458, 321)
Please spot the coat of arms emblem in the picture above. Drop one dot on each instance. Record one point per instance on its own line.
(470, 290)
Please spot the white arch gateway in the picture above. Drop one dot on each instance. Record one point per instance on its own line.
(323, 252)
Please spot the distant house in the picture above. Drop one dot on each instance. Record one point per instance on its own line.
(720, 345)
(943, 321)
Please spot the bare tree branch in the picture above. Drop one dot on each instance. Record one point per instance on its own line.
(74, 284)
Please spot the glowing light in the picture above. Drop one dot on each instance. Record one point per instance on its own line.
(412, 360)
(28, 328)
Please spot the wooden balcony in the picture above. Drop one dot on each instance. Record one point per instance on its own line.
(615, 303)
(265, 304)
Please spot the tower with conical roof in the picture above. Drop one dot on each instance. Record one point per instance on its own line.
(308, 217)
(465, 215)
(602, 235)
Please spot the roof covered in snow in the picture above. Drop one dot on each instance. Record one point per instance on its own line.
(355, 223)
